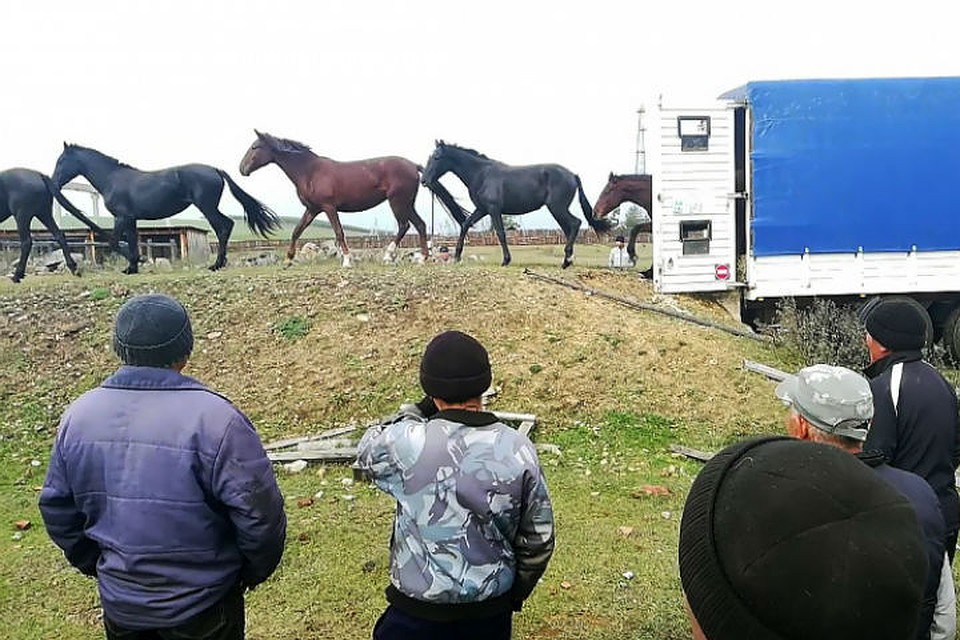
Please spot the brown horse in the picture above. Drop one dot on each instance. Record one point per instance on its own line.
(330, 186)
(635, 188)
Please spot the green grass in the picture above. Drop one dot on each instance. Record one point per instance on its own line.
(611, 388)
(293, 327)
(325, 588)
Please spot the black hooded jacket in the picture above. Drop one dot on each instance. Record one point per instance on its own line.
(921, 434)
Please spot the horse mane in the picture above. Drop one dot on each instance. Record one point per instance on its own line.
(632, 176)
(472, 152)
(286, 144)
(111, 159)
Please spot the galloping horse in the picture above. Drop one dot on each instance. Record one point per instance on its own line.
(131, 195)
(330, 186)
(635, 188)
(497, 189)
(25, 195)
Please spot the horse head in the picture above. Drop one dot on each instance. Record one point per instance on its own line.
(69, 165)
(258, 155)
(437, 165)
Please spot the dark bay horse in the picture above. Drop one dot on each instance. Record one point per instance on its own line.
(131, 195)
(330, 186)
(27, 194)
(635, 188)
(497, 189)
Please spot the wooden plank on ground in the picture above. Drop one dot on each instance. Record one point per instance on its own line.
(771, 372)
(342, 454)
(515, 417)
(696, 454)
(289, 442)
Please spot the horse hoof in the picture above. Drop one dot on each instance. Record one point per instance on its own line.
(566, 263)
(287, 263)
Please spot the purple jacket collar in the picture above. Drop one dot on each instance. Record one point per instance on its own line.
(151, 379)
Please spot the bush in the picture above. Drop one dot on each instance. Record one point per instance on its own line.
(822, 332)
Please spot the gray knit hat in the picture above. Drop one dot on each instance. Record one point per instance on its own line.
(152, 331)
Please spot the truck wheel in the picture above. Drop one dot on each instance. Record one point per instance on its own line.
(869, 306)
(951, 335)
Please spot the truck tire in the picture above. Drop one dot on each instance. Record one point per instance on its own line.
(869, 305)
(951, 335)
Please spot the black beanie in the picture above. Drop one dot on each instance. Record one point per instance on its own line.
(455, 367)
(152, 331)
(783, 539)
(897, 324)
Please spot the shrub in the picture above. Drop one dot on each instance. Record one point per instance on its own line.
(822, 332)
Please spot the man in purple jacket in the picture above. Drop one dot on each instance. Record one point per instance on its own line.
(160, 488)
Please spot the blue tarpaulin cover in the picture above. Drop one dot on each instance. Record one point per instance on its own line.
(844, 164)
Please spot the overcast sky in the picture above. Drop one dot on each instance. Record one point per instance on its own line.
(164, 83)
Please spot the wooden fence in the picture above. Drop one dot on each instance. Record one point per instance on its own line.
(484, 238)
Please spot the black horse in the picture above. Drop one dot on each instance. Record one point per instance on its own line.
(497, 189)
(27, 194)
(131, 195)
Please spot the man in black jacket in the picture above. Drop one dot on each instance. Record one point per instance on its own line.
(915, 408)
(833, 405)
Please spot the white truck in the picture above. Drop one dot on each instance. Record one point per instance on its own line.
(844, 189)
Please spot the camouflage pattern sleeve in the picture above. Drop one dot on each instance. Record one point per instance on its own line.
(388, 448)
(534, 543)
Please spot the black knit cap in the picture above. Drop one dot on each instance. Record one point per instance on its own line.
(455, 367)
(783, 539)
(896, 324)
(152, 331)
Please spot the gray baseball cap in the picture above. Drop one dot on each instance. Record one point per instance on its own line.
(833, 399)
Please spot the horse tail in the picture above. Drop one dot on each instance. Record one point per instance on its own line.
(447, 199)
(69, 206)
(260, 218)
(600, 225)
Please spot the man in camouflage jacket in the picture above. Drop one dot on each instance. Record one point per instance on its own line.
(473, 530)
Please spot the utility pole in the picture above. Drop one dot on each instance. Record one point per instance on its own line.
(641, 152)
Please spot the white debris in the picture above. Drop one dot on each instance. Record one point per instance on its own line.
(296, 466)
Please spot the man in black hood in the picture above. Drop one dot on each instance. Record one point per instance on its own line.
(915, 408)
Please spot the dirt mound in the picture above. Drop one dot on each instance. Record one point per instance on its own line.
(302, 348)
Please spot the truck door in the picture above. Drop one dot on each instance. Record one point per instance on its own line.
(694, 229)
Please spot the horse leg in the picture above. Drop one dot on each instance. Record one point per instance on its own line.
(571, 228)
(222, 226)
(405, 214)
(46, 218)
(338, 232)
(133, 245)
(496, 219)
(464, 228)
(390, 254)
(26, 244)
(305, 220)
(119, 229)
(421, 228)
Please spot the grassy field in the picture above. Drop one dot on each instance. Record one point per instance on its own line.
(613, 388)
